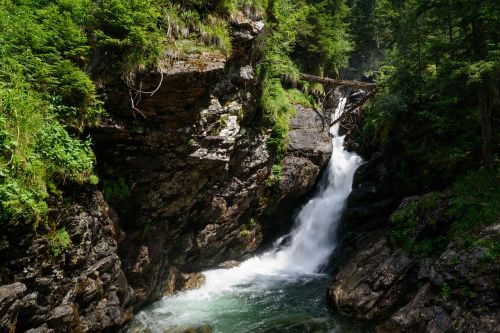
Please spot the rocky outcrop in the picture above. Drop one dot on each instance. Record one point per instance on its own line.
(10, 302)
(309, 150)
(373, 282)
(81, 289)
(406, 291)
(185, 169)
(193, 167)
(193, 171)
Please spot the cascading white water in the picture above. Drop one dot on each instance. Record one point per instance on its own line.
(311, 243)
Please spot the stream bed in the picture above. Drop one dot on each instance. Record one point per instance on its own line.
(287, 306)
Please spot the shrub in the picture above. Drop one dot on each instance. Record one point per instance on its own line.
(59, 241)
(460, 213)
(116, 189)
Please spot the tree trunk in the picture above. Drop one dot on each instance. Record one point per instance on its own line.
(485, 121)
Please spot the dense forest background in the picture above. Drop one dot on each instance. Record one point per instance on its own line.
(436, 64)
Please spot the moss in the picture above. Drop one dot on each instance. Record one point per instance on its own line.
(275, 176)
(223, 120)
(94, 180)
(446, 291)
(278, 112)
(244, 233)
(248, 227)
(408, 221)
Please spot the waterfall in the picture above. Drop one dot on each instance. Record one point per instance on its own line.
(311, 243)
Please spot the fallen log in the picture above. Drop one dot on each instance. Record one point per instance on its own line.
(326, 80)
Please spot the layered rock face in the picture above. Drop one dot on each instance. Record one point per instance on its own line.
(183, 162)
(456, 290)
(82, 289)
(196, 165)
(308, 153)
(194, 172)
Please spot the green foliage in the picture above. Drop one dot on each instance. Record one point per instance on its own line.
(427, 225)
(278, 112)
(276, 171)
(94, 180)
(323, 45)
(59, 241)
(296, 96)
(115, 189)
(195, 30)
(302, 36)
(127, 32)
(47, 50)
(34, 149)
(437, 86)
(216, 33)
(66, 158)
(475, 202)
(248, 227)
(418, 228)
(446, 291)
(275, 175)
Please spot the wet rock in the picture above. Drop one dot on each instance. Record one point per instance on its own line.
(309, 150)
(298, 325)
(309, 137)
(178, 281)
(229, 264)
(42, 329)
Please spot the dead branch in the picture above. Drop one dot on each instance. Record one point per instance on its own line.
(150, 93)
(353, 107)
(132, 105)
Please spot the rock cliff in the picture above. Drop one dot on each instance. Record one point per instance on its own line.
(438, 286)
(82, 289)
(184, 164)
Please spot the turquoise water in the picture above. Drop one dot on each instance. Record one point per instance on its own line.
(295, 306)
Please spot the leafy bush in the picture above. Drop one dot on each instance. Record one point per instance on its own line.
(116, 189)
(427, 225)
(59, 241)
(35, 149)
(66, 158)
(278, 111)
(128, 32)
(42, 50)
(475, 202)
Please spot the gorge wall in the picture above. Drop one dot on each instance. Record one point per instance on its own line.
(186, 174)
(427, 284)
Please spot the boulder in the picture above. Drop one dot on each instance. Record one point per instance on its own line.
(10, 303)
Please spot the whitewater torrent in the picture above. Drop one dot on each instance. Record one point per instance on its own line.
(310, 245)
